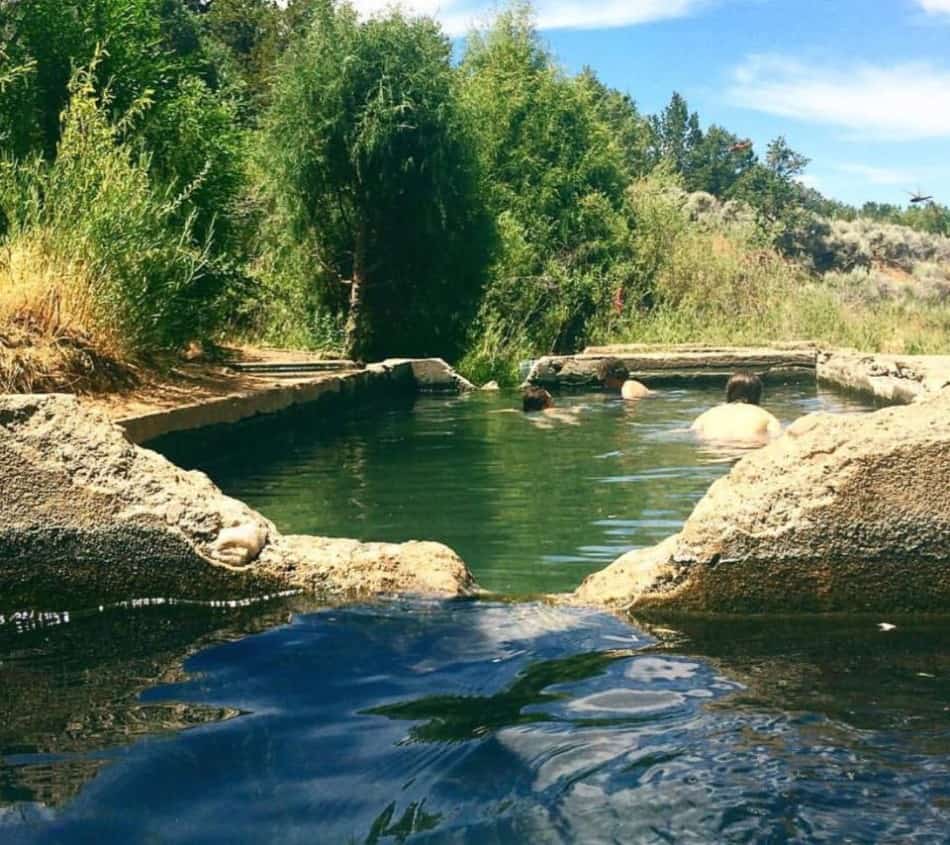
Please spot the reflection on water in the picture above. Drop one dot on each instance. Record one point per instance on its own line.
(472, 722)
(530, 509)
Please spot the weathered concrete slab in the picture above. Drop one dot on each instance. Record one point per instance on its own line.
(674, 363)
(893, 378)
(274, 393)
(434, 375)
(291, 367)
(634, 348)
(88, 517)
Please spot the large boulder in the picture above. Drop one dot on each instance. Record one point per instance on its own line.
(85, 515)
(843, 512)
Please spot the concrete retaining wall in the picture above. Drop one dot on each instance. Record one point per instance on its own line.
(391, 377)
(655, 366)
(891, 378)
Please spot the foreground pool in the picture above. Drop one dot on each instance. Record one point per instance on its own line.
(472, 722)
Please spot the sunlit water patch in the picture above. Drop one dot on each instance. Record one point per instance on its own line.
(470, 722)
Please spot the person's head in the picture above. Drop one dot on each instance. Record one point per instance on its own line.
(535, 399)
(744, 386)
(612, 373)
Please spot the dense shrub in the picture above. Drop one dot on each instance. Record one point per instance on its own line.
(555, 173)
(93, 245)
(368, 164)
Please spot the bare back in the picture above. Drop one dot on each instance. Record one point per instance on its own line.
(737, 422)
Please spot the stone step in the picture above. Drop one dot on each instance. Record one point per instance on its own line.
(285, 367)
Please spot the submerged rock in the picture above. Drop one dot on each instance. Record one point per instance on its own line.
(843, 512)
(87, 515)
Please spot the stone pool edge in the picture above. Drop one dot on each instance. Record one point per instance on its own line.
(270, 396)
(110, 519)
(842, 513)
(890, 378)
(88, 516)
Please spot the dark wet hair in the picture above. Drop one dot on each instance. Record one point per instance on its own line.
(612, 368)
(535, 399)
(744, 386)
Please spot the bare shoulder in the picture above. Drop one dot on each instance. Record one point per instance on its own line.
(737, 421)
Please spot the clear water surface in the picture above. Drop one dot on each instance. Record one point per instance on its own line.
(473, 721)
(531, 503)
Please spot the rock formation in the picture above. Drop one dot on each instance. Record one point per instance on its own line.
(843, 512)
(87, 516)
(893, 378)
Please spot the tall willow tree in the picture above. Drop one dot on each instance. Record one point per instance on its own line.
(556, 172)
(367, 157)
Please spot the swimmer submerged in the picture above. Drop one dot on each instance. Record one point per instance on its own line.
(615, 377)
(537, 399)
(740, 419)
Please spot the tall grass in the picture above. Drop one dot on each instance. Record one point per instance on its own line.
(704, 272)
(93, 246)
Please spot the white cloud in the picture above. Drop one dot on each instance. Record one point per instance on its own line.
(902, 102)
(935, 7)
(457, 16)
(876, 175)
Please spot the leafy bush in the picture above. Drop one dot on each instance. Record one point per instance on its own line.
(554, 174)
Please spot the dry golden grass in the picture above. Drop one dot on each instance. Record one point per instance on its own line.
(49, 338)
(54, 294)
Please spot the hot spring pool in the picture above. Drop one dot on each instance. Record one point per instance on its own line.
(530, 509)
(473, 721)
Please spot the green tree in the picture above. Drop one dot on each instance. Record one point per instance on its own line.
(368, 160)
(251, 36)
(143, 51)
(676, 134)
(630, 130)
(556, 176)
(715, 164)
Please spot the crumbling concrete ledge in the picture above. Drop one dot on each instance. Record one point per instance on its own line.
(87, 517)
(892, 378)
(658, 365)
(288, 389)
(841, 513)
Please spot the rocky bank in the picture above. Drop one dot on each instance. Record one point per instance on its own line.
(843, 512)
(87, 516)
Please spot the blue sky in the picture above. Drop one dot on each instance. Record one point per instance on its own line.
(862, 87)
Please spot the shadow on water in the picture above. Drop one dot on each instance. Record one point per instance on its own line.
(471, 722)
(454, 718)
(870, 673)
(70, 689)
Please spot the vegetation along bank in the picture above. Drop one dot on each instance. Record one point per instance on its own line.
(185, 172)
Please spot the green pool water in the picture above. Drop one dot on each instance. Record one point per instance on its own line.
(531, 503)
(469, 722)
